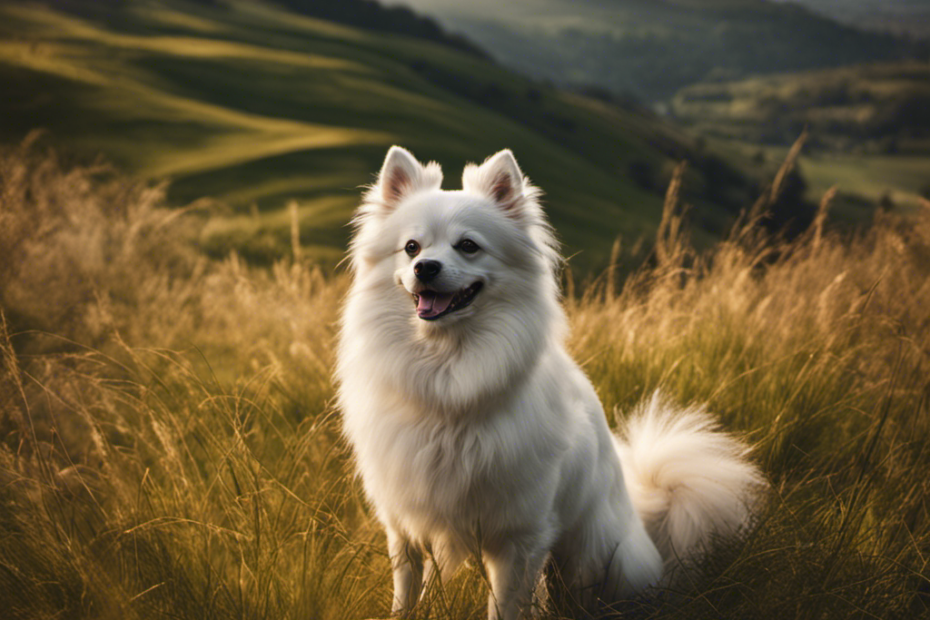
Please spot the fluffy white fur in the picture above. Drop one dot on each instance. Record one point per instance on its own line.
(476, 433)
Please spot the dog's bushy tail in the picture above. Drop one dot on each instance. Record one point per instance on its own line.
(689, 481)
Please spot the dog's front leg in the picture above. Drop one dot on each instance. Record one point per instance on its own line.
(513, 569)
(407, 564)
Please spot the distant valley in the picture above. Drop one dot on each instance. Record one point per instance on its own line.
(650, 49)
(910, 17)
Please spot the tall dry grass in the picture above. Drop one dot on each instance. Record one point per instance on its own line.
(168, 446)
(819, 350)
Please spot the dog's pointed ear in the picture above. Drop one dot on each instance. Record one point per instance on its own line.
(500, 179)
(402, 175)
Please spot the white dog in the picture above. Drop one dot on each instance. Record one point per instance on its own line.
(474, 430)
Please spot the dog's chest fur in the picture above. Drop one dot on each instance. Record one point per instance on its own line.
(432, 475)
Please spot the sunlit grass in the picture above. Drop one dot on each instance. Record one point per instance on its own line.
(169, 446)
(234, 149)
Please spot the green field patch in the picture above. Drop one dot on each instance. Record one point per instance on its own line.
(902, 178)
(869, 108)
(249, 12)
(50, 58)
(194, 47)
(284, 188)
(164, 16)
(864, 181)
(227, 150)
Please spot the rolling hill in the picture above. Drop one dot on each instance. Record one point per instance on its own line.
(652, 48)
(256, 106)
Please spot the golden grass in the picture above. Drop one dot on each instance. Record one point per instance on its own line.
(169, 447)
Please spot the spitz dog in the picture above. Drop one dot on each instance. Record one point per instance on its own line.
(476, 434)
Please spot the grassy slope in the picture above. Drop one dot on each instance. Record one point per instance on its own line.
(258, 106)
(169, 448)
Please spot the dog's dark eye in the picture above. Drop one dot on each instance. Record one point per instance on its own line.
(412, 248)
(468, 246)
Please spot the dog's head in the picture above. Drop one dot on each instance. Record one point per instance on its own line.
(454, 253)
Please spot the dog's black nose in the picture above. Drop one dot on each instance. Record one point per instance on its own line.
(425, 270)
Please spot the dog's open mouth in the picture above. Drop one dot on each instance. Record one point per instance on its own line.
(432, 304)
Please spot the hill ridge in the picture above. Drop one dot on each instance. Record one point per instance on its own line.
(256, 107)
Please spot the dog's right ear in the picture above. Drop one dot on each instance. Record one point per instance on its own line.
(400, 176)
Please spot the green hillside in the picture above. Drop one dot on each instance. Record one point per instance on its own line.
(254, 107)
(652, 48)
(869, 128)
(876, 107)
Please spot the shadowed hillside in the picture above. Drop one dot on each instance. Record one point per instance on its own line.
(652, 48)
(367, 14)
(255, 106)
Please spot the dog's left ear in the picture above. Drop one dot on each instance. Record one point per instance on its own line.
(500, 179)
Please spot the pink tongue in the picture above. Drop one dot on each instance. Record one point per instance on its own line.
(431, 303)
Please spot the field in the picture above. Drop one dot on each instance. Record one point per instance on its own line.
(169, 446)
(253, 107)
(864, 180)
(868, 124)
(866, 108)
